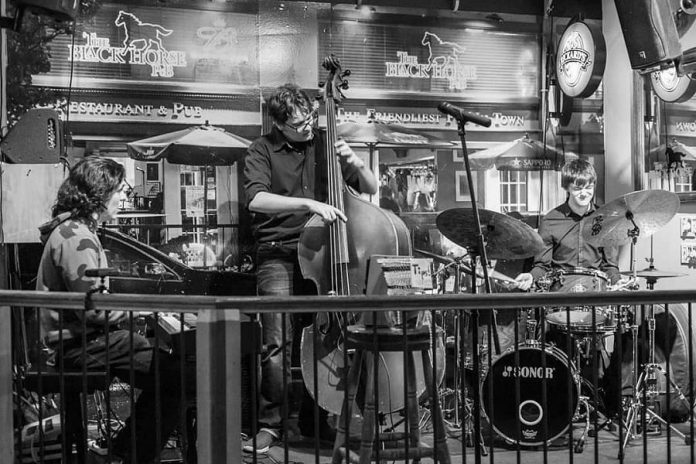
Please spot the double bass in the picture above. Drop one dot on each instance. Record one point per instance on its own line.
(335, 257)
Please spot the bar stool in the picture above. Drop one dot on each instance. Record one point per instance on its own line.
(390, 339)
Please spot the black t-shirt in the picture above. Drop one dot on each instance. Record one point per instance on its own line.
(274, 165)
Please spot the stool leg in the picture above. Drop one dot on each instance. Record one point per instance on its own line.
(74, 427)
(368, 428)
(352, 383)
(441, 450)
(412, 406)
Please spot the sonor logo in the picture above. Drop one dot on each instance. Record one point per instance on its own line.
(529, 372)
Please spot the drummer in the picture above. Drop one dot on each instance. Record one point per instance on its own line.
(561, 231)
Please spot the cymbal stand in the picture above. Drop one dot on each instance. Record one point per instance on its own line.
(462, 403)
(645, 384)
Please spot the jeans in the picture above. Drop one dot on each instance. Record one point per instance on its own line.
(143, 411)
(278, 273)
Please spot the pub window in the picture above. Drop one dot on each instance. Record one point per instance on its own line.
(513, 191)
(682, 180)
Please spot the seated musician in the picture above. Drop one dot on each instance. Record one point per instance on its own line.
(91, 195)
(285, 185)
(561, 230)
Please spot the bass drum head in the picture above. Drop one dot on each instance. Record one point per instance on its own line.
(559, 409)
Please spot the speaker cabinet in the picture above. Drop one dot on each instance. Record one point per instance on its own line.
(649, 31)
(36, 138)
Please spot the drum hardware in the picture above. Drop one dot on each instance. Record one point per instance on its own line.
(616, 223)
(645, 385)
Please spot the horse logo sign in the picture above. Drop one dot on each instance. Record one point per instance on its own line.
(142, 45)
(138, 32)
(443, 63)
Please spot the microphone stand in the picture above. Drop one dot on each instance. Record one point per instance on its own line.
(480, 252)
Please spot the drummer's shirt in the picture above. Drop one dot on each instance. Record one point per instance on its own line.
(561, 231)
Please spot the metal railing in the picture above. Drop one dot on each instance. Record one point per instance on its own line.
(486, 423)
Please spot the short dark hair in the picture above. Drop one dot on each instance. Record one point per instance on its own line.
(88, 188)
(578, 172)
(287, 98)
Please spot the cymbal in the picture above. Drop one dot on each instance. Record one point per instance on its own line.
(375, 132)
(505, 236)
(650, 210)
(652, 273)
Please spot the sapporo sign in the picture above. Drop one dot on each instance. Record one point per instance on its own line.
(580, 59)
(143, 44)
(444, 62)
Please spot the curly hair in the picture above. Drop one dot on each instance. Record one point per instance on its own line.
(88, 188)
(285, 100)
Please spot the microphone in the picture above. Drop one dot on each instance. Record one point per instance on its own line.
(465, 116)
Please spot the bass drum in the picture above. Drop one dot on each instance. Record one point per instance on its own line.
(531, 413)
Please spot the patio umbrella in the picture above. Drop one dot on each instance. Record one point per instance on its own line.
(203, 145)
(374, 131)
(523, 154)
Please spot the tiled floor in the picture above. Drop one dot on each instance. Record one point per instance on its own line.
(602, 449)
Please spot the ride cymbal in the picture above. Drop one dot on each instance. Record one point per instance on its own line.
(505, 236)
(615, 223)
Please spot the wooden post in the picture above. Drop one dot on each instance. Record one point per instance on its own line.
(7, 445)
(218, 358)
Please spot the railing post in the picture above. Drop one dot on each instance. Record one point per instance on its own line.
(218, 364)
(7, 446)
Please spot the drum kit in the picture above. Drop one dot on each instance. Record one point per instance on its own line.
(533, 417)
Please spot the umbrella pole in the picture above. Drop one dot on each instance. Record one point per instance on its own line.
(205, 214)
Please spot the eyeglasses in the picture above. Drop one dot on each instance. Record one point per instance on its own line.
(304, 124)
(586, 188)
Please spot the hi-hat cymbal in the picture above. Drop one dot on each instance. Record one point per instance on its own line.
(649, 210)
(505, 237)
(652, 273)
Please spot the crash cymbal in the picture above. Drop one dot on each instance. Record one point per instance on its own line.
(652, 273)
(505, 237)
(649, 210)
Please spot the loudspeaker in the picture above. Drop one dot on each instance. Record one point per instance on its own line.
(62, 10)
(37, 138)
(649, 31)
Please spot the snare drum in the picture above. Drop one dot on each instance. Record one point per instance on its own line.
(579, 279)
(580, 320)
(556, 371)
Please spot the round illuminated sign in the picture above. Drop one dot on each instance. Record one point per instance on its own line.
(671, 87)
(580, 59)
